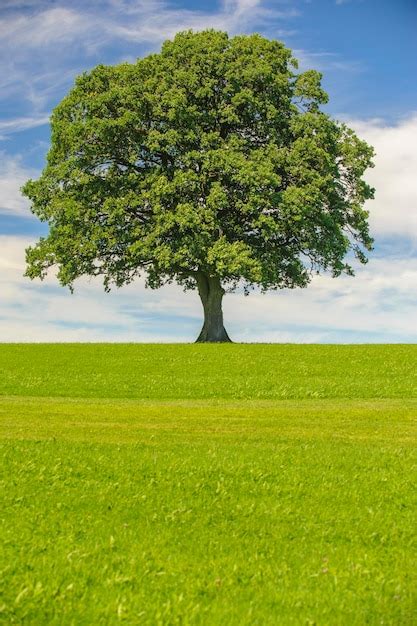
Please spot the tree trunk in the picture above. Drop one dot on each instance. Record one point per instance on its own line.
(211, 294)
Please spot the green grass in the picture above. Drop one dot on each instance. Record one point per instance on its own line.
(208, 371)
(216, 485)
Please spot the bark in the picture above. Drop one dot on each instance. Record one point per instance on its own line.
(211, 294)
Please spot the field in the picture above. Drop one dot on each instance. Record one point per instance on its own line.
(202, 484)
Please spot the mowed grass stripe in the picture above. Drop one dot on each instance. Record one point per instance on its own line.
(189, 371)
(108, 421)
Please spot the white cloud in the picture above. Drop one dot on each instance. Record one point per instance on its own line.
(12, 176)
(377, 305)
(35, 311)
(394, 210)
(379, 302)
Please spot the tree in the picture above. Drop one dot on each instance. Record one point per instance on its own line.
(210, 164)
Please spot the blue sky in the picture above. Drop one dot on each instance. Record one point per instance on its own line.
(367, 51)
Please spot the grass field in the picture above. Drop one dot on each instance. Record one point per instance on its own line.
(198, 484)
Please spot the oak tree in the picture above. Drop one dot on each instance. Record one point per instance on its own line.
(211, 164)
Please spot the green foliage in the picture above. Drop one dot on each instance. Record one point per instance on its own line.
(212, 156)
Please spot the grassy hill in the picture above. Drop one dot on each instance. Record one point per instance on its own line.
(201, 484)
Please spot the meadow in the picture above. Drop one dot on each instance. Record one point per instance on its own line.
(208, 484)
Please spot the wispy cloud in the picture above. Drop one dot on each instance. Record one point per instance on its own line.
(49, 44)
(46, 28)
(233, 16)
(325, 61)
(12, 176)
(17, 124)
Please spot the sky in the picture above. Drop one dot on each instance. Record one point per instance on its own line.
(367, 51)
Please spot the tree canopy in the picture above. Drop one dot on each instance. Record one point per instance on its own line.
(211, 164)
